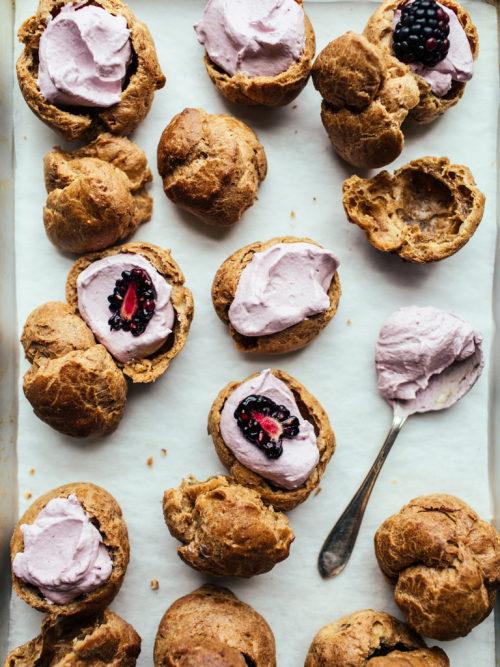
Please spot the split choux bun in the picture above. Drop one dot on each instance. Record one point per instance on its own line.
(292, 338)
(372, 639)
(73, 384)
(210, 626)
(105, 639)
(378, 31)
(149, 368)
(445, 563)
(367, 94)
(97, 195)
(270, 91)
(211, 165)
(311, 410)
(105, 512)
(425, 212)
(226, 529)
(145, 76)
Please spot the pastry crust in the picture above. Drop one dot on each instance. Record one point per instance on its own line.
(270, 91)
(97, 195)
(378, 30)
(72, 123)
(105, 639)
(73, 384)
(425, 212)
(371, 637)
(445, 563)
(226, 529)
(106, 514)
(211, 165)
(150, 368)
(292, 338)
(211, 621)
(311, 410)
(367, 95)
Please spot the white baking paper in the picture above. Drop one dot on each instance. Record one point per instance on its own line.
(441, 452)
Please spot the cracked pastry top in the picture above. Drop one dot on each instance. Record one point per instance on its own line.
(211, 165)
(444, 562)
(257, 53)
(425, 212)
(89, 85)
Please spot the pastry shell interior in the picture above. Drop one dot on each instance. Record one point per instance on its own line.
(143, 78)
(271, 91)
(425, 212)
(311, 411)
(106, 515)
(149, 368)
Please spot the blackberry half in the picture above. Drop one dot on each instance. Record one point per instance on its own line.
(132, 302)
(264, 423)
(422, 33)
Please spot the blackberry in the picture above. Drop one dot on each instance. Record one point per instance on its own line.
(264, 423)
(422, 33)
(132, 302)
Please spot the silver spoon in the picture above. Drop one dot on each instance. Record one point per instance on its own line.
(443, 391)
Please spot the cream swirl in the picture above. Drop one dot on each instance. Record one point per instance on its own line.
(257, 38)
(300, 454)
(64, 555)
(282, 286)
(97, 282)
(84, 53)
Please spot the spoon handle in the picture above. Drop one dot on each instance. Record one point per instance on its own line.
(339, 544)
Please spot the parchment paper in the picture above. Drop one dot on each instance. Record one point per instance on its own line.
(444, 452)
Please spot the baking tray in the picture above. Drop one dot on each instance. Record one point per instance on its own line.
(450, 452)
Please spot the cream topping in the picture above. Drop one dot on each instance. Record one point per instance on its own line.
(458, 65)
(64, 555)
(97, 282)
(84, 53)
(282, 286)
(300, 454)
(258, 38)
(416, 350)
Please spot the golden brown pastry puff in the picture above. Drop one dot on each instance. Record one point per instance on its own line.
(379, 31)
(97, 195)
(445, 563)
(73, 384)
(143, 77)
(425, 212)
(211, 165)
(100, 640)
(210, 626)
(268, 90)
(163, 269)
(273, 436)
(367, 95)
(249, 281)
(225, 527)
(371, 638)
(69, 549)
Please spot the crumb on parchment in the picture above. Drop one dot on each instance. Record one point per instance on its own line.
(163, 452)
(349, 322)
(292, 214)
(32, 471)
(318, 490)
(150, 461)
(154, 584)
(27, 495)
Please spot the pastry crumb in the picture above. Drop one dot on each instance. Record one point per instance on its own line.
(32, 471)
(292, 214)
(25, 138)
(349, 322)
(395, 480)
(295, 106)
(314, 198)
(163, 452)
(318, 490)
(154, 584)
(150, 461)
(27, 495)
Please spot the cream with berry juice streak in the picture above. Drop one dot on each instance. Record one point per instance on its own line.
(426, 359)
(429, 38)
